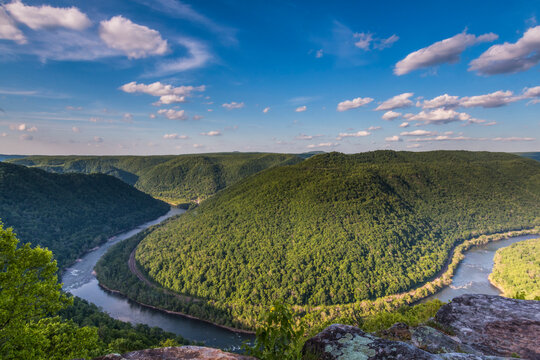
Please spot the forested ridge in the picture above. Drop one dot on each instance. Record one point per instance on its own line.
(337, 228)
(173, 178)
(71, 213)
(516, 270)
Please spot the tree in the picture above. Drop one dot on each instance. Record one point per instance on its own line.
(29, 296)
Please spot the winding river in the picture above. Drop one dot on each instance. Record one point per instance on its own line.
(80, 281)
(471, 276)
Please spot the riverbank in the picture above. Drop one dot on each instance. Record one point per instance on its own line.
(323, 314)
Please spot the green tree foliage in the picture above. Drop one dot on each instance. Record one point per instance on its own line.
(72, 213)
(173, 178)
(29, 296)
(337, 229)
(517, 270)
(279, 337)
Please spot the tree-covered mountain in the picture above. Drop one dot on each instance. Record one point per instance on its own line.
(70, 213)
(173, 178)
(338, 228)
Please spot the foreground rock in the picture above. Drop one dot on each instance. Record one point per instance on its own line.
(478, 327)
(495, 325)
(177, 353)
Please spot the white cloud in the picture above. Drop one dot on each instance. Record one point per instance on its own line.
(211, 133)
(413, 146)
(364, 40)
(367, 40)
(198, 56)
(418, 133)
(319, 54)
(510, 58)
(353, 104)
(175, 137)
(26, 137)
(391, 115)
(531, 92)
(197, 117)
(98, 139)
(75, 129)
(266, 110)
(152, 116)
(23, 127)
(327, 144)
(442, 116)
(3, 134)
(445, 51)
(360, 133)
(444, 138)
(8, 29)
(233, 105)
(301, 108)
(495, 99)
(198, 146)
(45, 16)
(442, 101)
(32, 129)
(404, 124)
(172, 114)
(74, 108)
(136, 41)
(306, 137)
(167, 93)
(396, 102)
(127, 117)
(513, 138)
(394, 138)
(373, 128)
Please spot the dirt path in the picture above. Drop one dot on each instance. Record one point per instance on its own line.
(135, 271)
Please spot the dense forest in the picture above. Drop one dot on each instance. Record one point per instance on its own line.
(516, 271)
(71, 213)
(337, 229)
(173, 178)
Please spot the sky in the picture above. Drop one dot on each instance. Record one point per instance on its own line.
(149, 77)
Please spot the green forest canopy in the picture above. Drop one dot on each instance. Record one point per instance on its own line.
(173, 178)
(517, 269)
(338, 228)
(71, 213)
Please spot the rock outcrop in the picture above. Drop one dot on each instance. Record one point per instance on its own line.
(495, 325)
(177, 353)
(480, 327)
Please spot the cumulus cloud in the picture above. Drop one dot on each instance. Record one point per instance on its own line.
(233, 105)
(23, 127)
(510, 57)
(327, 144)
(306, 137)
(418, 133)
(167, 93)
(136, 41)
(394, 138)
(445, 51)
(391, 115)
(211, 133)
(75, 129)
(8, 29)
(175, 137)
(532, 93)
(442, 116)
(396, 102)
(360, 133)
(442, 101)
(319, 53)
(301, 108)
(495, 99)
(363, 40)
(266, 109)
(172, 114)
(353, 104)
(404, 124)
(373, 128)
(45, 16)
(197, 117)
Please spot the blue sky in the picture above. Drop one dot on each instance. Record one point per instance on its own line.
(172, 77)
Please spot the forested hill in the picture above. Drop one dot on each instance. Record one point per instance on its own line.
(70, 213)
(173, 178)
(340, 228)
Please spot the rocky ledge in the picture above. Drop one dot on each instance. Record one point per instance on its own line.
(177, 353)
(469, 327)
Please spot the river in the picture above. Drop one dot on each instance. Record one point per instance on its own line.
(471, 277)
(80, 281)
